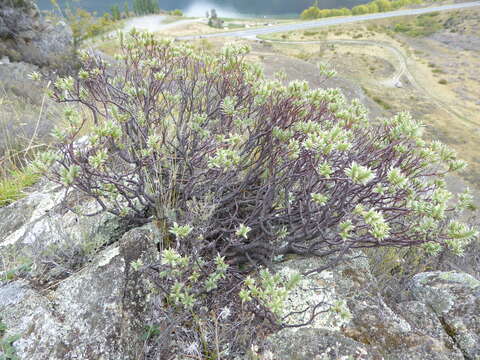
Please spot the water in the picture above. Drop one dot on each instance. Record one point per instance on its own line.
(225, 8)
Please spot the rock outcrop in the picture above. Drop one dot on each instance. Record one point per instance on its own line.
(28, 37)
(72, 292)
(413, 329)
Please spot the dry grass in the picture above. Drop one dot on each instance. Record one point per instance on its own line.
(444, 96)
(27, 118)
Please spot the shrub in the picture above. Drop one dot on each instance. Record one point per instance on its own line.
(236, 171)
(179, 132)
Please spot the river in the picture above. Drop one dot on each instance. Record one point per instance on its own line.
(225, 8)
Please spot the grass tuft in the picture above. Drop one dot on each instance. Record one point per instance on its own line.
(12, 187)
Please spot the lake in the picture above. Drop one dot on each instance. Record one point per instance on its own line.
(225, 8)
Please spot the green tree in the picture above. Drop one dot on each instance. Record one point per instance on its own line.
(383, 5)
(311, 13)
(143, 7)
(360, 10)
(372, 8)
(115, 11)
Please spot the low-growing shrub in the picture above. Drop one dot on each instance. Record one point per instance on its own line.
(237, 171)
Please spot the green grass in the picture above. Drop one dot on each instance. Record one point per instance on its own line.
(13, 185)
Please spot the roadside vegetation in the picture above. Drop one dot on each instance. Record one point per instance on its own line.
(376, 6)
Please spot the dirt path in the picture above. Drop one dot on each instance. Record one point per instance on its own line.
(401, 69)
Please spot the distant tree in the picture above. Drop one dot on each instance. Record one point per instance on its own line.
(372, 7)
(126, 9)
(176, 12)
(383, 5)
(115, 10)
(360, 10)
(313, 12)
(142, 7)
(213, 14)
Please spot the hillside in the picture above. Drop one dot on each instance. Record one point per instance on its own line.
(203, 199)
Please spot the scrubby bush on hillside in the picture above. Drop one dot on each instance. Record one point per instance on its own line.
(237, 170)
(86, 25)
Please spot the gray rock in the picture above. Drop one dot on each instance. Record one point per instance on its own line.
(26, 36)
(455, 299)
(53, 240)
(432, 340)
(316, 344)
(97, 313)
(409, 331)
(97, 306)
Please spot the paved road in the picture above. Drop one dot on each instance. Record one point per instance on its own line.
(253, 33)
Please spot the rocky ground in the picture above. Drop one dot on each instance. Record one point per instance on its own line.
(78, 296)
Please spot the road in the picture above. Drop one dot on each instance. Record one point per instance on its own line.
(253, 33)
(154, 23)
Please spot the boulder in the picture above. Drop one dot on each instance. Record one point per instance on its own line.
(98, 312)
(26, 36)
(316, 344)
(454, 297)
